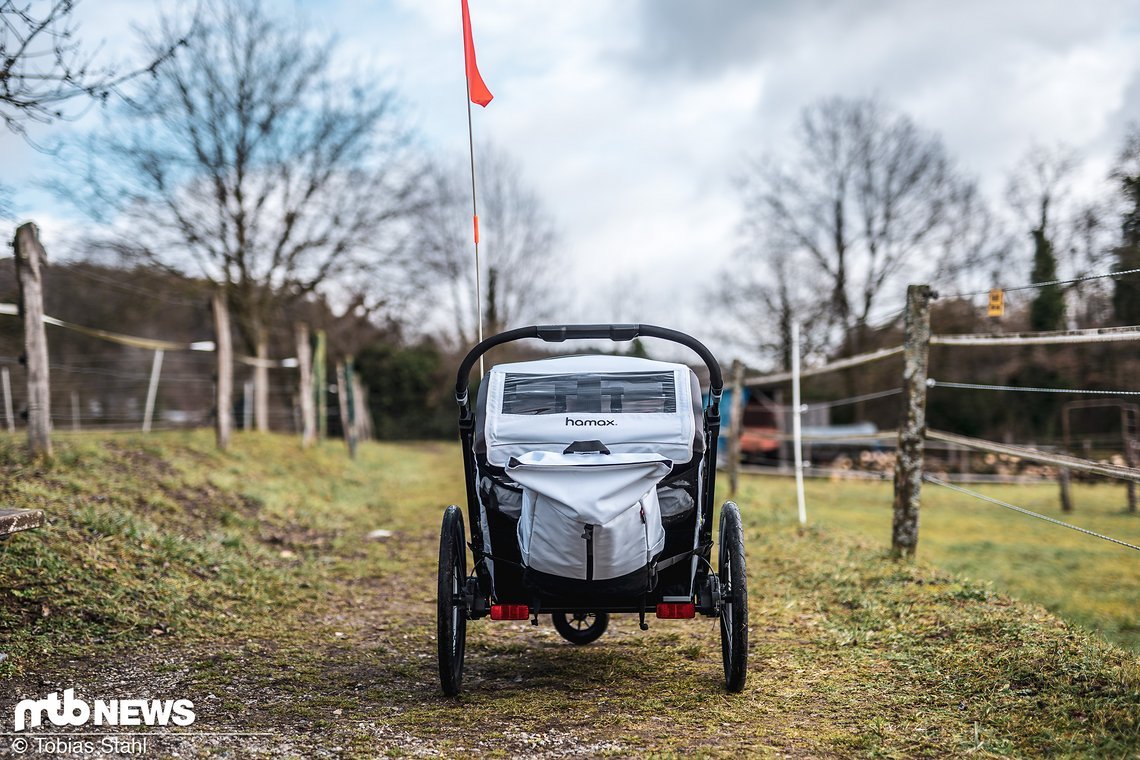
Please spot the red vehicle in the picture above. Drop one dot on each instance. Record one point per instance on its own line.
(760, 430)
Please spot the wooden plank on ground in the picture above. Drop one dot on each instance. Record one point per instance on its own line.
(16, 520)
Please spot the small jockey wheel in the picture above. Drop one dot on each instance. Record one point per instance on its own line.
(734, 598)
(580, 627)
(451, 609)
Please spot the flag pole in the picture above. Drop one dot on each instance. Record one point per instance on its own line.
(474, 219)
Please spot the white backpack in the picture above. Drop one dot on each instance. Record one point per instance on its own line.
(591, 516)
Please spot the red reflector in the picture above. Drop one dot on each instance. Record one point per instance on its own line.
(675, 610)
(511, 612)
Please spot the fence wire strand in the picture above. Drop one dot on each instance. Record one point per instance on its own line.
(853, 399)
(1026, 389)
(1047, 283)
(1028, 512)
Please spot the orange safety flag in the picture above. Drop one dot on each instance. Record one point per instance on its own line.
(476, 88)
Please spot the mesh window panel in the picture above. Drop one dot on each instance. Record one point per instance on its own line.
(590, 393)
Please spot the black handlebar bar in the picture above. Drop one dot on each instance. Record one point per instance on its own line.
(560, 333)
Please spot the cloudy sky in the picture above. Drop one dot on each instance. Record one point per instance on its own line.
(630, 117)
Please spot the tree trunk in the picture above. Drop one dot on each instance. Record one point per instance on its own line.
(30, 258)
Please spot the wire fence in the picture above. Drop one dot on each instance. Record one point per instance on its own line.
(932, 383)
(102, 380)
(1049, 460)
(1048, 283)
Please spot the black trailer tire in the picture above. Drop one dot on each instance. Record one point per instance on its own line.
(451, 609)
(580, 627)
(734, 598)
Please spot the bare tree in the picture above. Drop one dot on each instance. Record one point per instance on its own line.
(1090, 249)
(863, 195)
(44, 67)
(1040, 192)
(762, 293)
(765, 288)
(518, 240)
(973, 244)
(5, 202)
(245, 160)
(1039, 186)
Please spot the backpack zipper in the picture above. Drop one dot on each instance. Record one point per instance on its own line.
(588, 534)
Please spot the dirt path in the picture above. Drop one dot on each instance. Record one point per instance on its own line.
(359, 678)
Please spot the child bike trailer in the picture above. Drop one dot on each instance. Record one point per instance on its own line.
(589, 493)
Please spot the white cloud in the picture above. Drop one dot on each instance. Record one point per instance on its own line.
(631, 116)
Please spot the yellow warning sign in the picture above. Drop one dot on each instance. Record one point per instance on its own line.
(997, 303)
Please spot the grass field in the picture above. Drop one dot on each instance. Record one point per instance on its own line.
(1084, 579)
(246, 583)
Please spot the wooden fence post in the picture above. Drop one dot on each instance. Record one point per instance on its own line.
(342, 398)
(350, 391)
(305, 383)
(30, 258)
(247, 406)
(1064, 479)
(152, 390)
(361, 414)
(321, 385)
(9, 416)
(261, 383)
(912, 429)
(1130, 446)
(224, 350)
(735, 423)
(1063, 475)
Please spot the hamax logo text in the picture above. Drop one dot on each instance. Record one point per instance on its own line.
(69, 711)
(590, 423)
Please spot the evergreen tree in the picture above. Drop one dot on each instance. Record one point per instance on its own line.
(1047, 311)
(1126, 296)
(409, 399)
(637, 349)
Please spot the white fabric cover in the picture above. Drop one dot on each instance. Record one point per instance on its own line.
(669, 434)
(563, 493)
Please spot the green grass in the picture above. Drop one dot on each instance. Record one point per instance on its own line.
(1084, 579)
(156, 535)
(245, 582)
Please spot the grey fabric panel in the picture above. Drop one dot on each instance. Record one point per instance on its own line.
(676, 503)
(498, 497)
(481, 416)
(698, 414)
